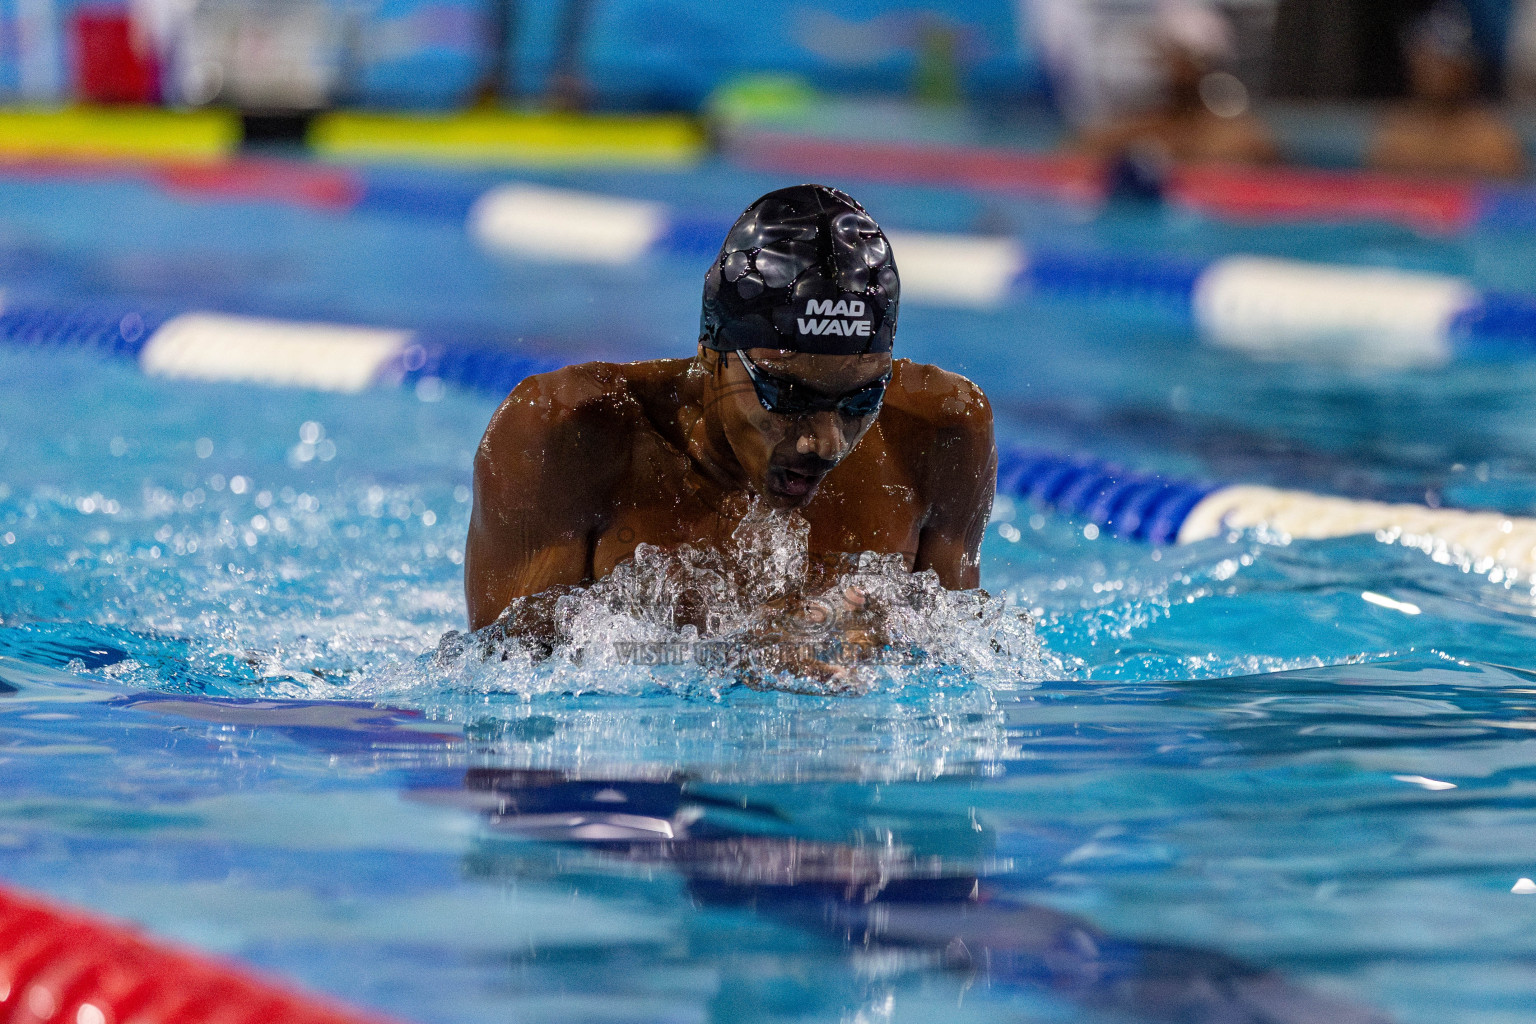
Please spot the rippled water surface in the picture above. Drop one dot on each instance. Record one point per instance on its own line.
(1282, 782)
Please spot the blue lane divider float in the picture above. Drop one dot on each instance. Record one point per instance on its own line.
(1135, 506)
(414, 195)
(1244, 194)
(1123, 503)
(1158, 510)
(259, 350)
(104, 327)
(1259, 305)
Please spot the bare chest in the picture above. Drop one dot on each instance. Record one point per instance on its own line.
(869, 503)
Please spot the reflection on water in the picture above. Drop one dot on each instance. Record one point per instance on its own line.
(941, 912)
(1147, 850)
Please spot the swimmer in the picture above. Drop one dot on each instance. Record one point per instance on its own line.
(792, 399)
(1204, 115)
(1443, 129)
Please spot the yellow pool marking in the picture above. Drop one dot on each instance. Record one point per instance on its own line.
(117, 133)
(509, 139)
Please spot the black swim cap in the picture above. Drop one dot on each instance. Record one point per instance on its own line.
(805, 269)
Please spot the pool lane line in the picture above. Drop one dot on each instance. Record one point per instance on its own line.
(1228, 192)
(523, 139)
(292, 183)
(1154, 509)
(201, 346)
(59, 964)
(1257, 305)
(106, 133)
(1227, 449)
(1119, 502)
(1260, 306)
(506, 138)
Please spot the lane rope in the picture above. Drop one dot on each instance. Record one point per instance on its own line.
(1262, 306)
(1120, 502)
(1159, 510)
(1266, 307)
(1230, 192)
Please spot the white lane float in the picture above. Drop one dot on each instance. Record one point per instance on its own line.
(1265, 307)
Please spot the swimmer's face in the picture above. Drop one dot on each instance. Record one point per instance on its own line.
(787, 456)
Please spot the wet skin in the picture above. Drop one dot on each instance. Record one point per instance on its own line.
(580, 466)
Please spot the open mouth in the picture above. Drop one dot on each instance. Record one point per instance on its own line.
(791, 484)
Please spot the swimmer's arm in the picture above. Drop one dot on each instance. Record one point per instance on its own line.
(542, 476)
(963, 479)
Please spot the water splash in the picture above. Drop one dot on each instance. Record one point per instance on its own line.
(758, 612)
(747, 661)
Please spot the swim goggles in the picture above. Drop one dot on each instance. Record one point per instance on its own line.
(786, 397)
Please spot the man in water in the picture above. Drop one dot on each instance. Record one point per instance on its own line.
(792, 399)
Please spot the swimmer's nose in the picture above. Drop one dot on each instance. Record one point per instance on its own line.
(821, 435)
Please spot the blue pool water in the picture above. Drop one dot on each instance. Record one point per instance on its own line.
(221, 606)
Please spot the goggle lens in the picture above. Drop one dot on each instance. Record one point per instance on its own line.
(787, 398)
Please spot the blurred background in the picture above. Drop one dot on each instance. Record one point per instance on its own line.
(1118, 216)
(1031, 65)
(1278, 242)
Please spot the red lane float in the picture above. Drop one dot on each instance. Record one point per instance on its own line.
(285, 181)
(1065, 176)
(290, 182)
(55, 168)
(1225, 191)
(61, 967)
(1275, 193)
(1229, 191)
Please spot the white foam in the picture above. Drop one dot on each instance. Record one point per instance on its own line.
(323, 357)
(1506, 541)
(556, 224)
(956, 270)
(1283, 307)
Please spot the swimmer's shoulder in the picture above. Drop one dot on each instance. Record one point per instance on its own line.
(579, 411)
(596, 394)
(941, 427)
(939, 400)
